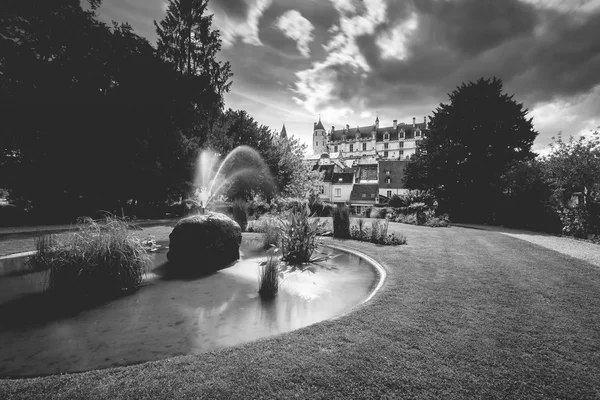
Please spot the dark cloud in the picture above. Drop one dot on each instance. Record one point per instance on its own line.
(540, 54)
(473, 26)
(235, 9)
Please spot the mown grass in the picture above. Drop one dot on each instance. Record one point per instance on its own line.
(463, 314)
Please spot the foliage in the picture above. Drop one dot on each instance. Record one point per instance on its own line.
(98, 261)
(341, 222)
(269, 277)
(378, 233)
(299, 236)
(270, 226)
(377, 212)
(471, 142)
(240, 213)
(572, 171)
(147, 115)
(414, 196)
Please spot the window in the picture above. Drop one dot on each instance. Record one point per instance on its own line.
(322, 189)
(385, 154)
(338, 192)
(364, 147)
(389, 194)
(418, 133)
(388, 180)
(317, 143)
(335, 149)
(387, 171)
(364, 195)
(401, 153)
(401, 145)
(401, 134)
(386, 146)
(351, 148)
(386, 136)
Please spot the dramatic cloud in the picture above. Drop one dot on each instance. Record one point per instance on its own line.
(349, 59)
(298, 28)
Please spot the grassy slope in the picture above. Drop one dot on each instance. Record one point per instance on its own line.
(463, 313)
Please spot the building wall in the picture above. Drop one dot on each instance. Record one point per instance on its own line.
(345, 190)
(383, 191)
(326, 195)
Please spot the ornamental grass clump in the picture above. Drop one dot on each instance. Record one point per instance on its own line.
(341, 222)
(300, 237)
(99, 260)
(269, 278)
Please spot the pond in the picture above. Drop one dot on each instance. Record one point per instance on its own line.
(169, 317)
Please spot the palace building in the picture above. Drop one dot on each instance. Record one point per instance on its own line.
(364, 166)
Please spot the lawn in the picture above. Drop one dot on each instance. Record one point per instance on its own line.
(463, 313)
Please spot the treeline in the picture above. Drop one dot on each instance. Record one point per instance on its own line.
(477, 160)
(94, 117)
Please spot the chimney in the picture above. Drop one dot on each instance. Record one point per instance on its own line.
(425, 122)
(332, 129)
(414, 122)
(395, 124)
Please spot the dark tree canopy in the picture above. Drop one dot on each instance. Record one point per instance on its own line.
(471, 143)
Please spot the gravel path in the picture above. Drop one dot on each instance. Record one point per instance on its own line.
(585, 251)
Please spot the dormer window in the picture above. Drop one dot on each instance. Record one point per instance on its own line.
(386, 136)
(418, 133)
(388, 180)
(387, 171)
(401, 134)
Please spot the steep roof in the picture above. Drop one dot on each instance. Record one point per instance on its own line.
(365, 132)
(283, 133)
(364, 193)
(394, 170)
(319, 125)
(343, 177)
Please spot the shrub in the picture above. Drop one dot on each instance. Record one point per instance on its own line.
(269, 278)
(270, 226)
(377, 212)
(240, 213)
(299, 236)
(100, 260)
(341, 222)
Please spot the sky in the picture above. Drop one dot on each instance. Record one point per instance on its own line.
(350, 60)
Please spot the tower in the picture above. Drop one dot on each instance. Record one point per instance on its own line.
(283, 132)
(319, 138)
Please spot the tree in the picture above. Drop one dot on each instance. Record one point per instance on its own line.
(186, 40)
(471, 143)
(572, 169)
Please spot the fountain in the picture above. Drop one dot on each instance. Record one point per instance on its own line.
(170, 317)
(206, 242)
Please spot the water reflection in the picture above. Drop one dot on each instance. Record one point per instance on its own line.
(169, 317)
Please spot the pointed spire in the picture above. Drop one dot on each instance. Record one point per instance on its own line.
(283, 133)
(319, 125)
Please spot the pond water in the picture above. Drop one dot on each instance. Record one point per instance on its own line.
(168, 317)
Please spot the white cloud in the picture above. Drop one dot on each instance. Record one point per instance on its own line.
(393, 43)
(298, 28)
(576, 117)
(231, 29)
(316, 86)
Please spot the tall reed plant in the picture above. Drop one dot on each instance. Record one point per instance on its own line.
(269, 278)
(100, 259)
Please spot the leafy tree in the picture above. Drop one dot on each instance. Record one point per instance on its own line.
(471, 143)
(572, 169)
